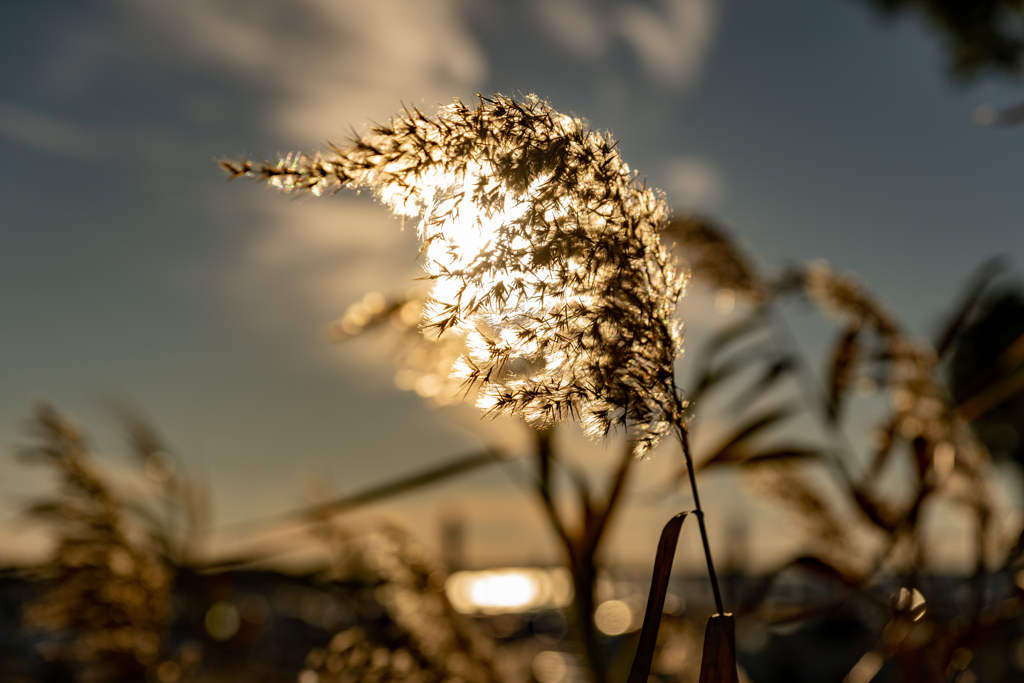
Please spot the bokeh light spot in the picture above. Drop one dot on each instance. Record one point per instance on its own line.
(222, 621)
(613, 617)
(550, 667)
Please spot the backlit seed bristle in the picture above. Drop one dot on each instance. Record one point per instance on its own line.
(544, 253)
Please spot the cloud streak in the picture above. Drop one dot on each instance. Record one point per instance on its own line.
(324, 66)
(671, 42)
(46, 133)
(328, 63)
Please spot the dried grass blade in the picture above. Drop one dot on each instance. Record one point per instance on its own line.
(844, 359)
(656, 600)
(725, 451)
(976, 286)
(1005, 389)
(718, 664)
(777, 369)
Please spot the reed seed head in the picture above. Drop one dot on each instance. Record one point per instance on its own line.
(544, 254)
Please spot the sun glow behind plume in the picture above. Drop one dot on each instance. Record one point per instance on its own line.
(459, 232)
(544, 254)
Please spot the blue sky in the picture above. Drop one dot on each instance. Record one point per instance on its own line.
(129, 270)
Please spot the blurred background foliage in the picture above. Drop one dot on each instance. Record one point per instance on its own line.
(985, 372)
(980, 38)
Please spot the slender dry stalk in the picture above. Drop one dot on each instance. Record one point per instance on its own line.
(545, 256)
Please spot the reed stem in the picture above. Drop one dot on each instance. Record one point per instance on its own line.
(699, 512)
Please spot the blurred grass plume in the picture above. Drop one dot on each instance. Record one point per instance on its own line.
(107, 602)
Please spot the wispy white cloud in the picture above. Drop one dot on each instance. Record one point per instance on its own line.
(326, 66)
(575, 24)
(671, 41)
(46, 133)
(329, 63)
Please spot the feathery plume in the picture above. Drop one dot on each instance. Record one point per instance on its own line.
(544, 254)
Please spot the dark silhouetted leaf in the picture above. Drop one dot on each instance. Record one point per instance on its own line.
(825, 569)
(656, 600)
(885, 448)
(407, 483)
(844, 358)
(992, 397)
(980, 37)
(976, 286)
(777, 369)
(718, 663)
(786, 453)
(725, 337)
(395, 487)
(749, 430)
(714, 376)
